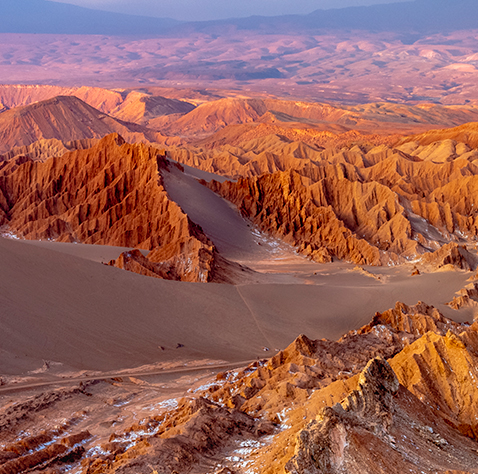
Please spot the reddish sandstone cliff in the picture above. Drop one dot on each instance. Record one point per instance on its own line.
(111, 194)
(365, 204)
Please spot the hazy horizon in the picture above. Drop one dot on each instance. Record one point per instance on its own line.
(202, 10)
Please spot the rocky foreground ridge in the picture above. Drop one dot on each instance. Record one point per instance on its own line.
(398, 395)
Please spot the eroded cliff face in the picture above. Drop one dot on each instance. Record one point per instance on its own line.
(111, 194)
(399, 416)
(322, 446)
(368, 199)
(439, 370)
(372, 205)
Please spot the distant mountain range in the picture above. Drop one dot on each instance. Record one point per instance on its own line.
(42, 16)
(415, 17)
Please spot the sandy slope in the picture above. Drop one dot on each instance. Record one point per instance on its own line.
(231, 233)
(58, 303)
(63, 308)
(96, 253)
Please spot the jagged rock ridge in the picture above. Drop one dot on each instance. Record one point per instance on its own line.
(111, 194)
(365, 204)
(325, 407)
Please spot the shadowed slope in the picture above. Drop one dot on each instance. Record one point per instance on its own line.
(91, 316)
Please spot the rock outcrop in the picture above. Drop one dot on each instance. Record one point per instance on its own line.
(317, 407)
(457, 256)
(366, 204)
(383, 118)
(334, 213)
(411, 322)
(467, 134)
(43, 149)
(186, 260)
(111, 194)
(354, 400)
(441, 371)
(467, 297)
(321, 446)
(195, 430)
(127, 105)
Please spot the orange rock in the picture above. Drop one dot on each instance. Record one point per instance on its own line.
(441, 371)
(66, 118)
(333, 214)
(111, 194)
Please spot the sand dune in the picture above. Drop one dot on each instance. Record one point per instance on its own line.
(90, 316)
(59, 303)
(222, 222)
(95, 253)
(86, 315)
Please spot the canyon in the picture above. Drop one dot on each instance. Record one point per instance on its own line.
(242, 246)
(264, 208)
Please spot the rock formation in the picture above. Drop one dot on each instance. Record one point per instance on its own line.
(467, 297)
(411, 322)
(362, 420)
(321, 445)
(380, 118)
(43, 149)
(143, 109)
(127, 105)
(111, 194)
(366, 204)
(441, 372)
(316, 407)
(197, 429)
(451, 254)
(466, 134)
(361, 200)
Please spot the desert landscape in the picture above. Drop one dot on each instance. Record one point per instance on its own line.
(242, 246)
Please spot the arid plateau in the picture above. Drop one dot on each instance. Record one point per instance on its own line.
(246, 246)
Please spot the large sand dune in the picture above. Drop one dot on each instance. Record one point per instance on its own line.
(67, 309)
(59, 303)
